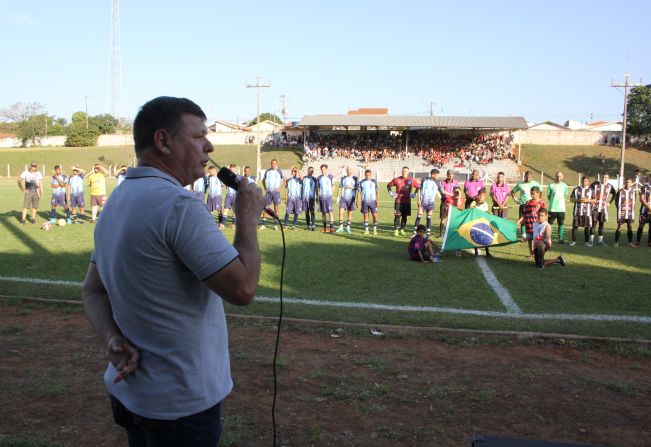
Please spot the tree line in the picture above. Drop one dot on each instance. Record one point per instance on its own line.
(30, 122)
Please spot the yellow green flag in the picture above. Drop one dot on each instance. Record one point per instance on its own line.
(474, 228)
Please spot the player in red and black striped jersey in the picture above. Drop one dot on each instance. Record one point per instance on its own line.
(625, 201)
(645, 211)
(604, 194)
(583, 198)
(530, 216)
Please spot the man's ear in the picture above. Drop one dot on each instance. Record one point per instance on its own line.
(161, 141)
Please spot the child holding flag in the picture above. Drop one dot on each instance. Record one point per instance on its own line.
(421, 248)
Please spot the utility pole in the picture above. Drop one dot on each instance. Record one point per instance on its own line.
(284, 109)
(257, 86)
(626, 86)
(86, 101)
(431, 107)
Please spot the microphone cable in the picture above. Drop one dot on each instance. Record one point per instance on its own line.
(230, 179)
(280, 322)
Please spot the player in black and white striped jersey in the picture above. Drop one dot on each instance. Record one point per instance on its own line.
(604, 194)
(583, 198)
(645, 211)
(625, 200)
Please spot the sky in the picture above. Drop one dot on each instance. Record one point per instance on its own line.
(552, 60)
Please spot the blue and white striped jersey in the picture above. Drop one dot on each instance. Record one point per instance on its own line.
(309, 188)
(58, 190)
(273, 179)
(368, 189)
(294, 188)
(199, 185)
(76, 183)
(325, 185)
(349, 187)
(214, 186)
(428, 190)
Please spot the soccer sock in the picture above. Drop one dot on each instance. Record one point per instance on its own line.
(68, 213)
(601, 238)
(617, 233)
(561, 228)
(348, 224)
(592, 234)
(332, 224)
(640, 230)
(53, 213)
(341, 223)
(648, 238)
(264, 221)
(295, 220)
(403, 222)
(588, 236)
(286, 218)
(523, 230)
(313, 218)
(574, 234)
(396, 222)
(601, 229)
(629, 234)
(307, 218)
(325, 224)
(366, 225)
(222, 219)
(417, 221)
(429, 223)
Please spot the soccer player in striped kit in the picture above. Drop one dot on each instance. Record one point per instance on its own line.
(59, 194)
(625, 202)
(325, 187)
(309, 197)
(368, 192)
(448, 186)
(272, 182)
(76, 193)
(215, 187)
(583, 199)
(500, 194)
(429, 188)
(199, 186)
(645, 217)
(604, 194)
(346, 199)
(293, 197)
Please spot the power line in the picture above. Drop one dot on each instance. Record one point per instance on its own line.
(115, 82)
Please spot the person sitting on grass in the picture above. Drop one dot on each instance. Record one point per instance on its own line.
(421, 248)
(530, 216)
(542, 241)
(480, 204)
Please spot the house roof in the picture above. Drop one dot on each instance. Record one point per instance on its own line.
(369, 111)
(440, 122)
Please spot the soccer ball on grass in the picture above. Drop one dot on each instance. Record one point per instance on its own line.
(61, 222)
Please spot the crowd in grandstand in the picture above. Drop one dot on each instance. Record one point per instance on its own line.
(435, 149)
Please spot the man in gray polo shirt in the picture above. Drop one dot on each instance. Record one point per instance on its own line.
(154, 297)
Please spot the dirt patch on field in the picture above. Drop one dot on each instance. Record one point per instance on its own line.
(342, 386)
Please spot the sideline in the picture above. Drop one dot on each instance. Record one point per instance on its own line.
(501, 292)
(399, 308)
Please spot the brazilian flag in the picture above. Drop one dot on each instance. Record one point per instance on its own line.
(473, 228)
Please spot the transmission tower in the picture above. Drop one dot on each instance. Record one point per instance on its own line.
(115, 81)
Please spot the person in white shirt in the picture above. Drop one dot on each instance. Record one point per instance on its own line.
(31, 183)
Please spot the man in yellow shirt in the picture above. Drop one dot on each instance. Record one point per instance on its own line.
(97, 185)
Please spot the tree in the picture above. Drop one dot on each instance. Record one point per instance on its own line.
(639, 111)
(23, 114)
(267, 116)
(79, 133)
(104, 123)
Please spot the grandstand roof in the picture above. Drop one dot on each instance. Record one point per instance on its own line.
(440, 122)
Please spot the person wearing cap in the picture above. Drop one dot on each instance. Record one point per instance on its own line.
(76, 193)
(97, 183)
(30, 183)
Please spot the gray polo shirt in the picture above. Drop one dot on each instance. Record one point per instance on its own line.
(155, 243)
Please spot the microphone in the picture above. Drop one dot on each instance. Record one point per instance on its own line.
(232, 180)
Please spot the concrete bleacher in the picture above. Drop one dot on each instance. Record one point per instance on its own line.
(387, 169)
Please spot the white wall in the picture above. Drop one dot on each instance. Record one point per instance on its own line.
(561, 137)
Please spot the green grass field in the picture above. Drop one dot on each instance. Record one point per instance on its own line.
(374, 270)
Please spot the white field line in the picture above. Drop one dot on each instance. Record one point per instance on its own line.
(397, 308)
(498, 288)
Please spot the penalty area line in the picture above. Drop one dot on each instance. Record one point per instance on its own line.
(501, 292)
(400, 308)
